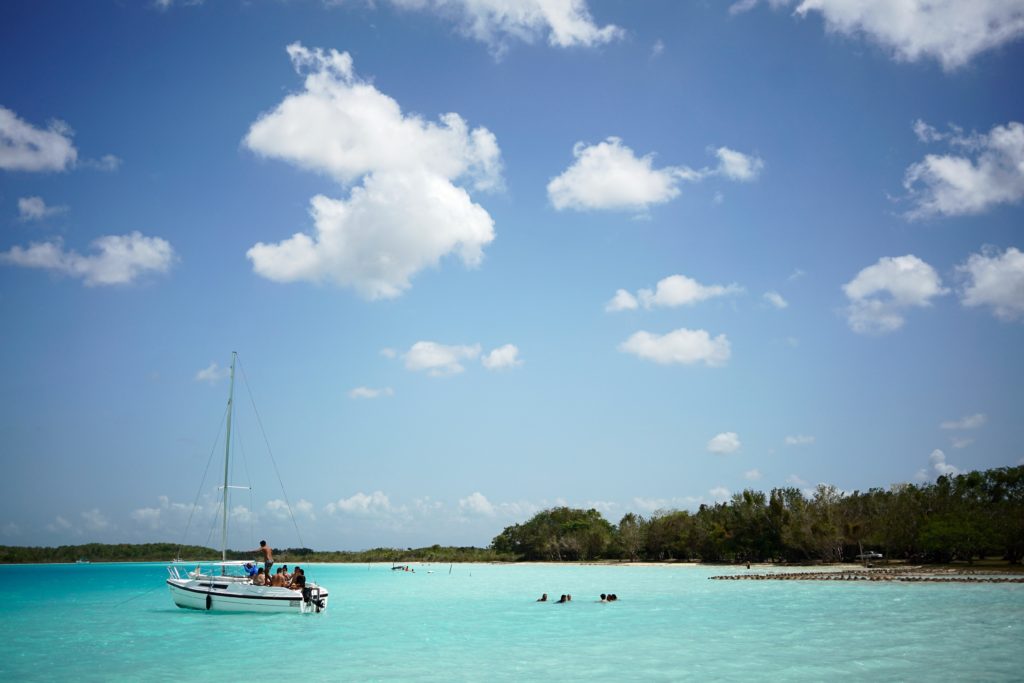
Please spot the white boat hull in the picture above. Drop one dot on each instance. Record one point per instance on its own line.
(232, 596)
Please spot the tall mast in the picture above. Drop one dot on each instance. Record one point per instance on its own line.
(227, 455)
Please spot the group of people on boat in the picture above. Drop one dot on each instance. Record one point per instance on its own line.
(282, 578)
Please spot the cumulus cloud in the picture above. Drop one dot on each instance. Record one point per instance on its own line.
(35, 209)
(361, 504)
(737, 165)
(107, 162)
(989, 172)
(795, 480)
(438, 360)
(95, 520)
(622, 301)
(610, 176)
(799, 440)
(279, 508)
(506, 356)
(58, 524)
(720, 493)
(670, 292)
(149, 517)
(726, 442)
(23, 147)
(752, 475)
(950, 31)
(966, 422)
(940, 466)
(565, 23)
(407, 214)
(775, 299)
(476, 503)
(961, 442)
(367, 392)
(120, 259)
(212, 373)
(880, 293)
(995, 280)
(682, 346)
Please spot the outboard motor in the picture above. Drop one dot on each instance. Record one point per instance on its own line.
(311, 598)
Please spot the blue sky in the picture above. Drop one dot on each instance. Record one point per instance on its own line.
(482, 258)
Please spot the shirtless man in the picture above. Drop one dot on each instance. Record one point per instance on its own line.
(268, 556)
(278, 579)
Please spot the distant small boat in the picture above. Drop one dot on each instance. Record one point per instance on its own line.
(82, 561)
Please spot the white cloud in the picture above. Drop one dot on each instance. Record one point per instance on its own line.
(796, 274)
(953, 185)
(799, 440)
(58, 524)
(775, 299)
(737, 165)
(506, 356)
(476, 503)
(212, 373)
(622, 301)
(966, 422)
(950, 31)
(961, 442)
(680, 346)
(149, 517)
(880, 293)
(120, 258)
(95, 520)
(752, 475)
(367, 392)
(608, 175)
(658, 48)
(242, 514)
(671, 292)
(279, 508)
(720, 493)
(407, 215)
(726, 442)
(795, 480)
(439, 359)
(108, 162)
(565, 23)
(24, 147)
(35, 209)
(362, 504)
(940, 466)
(996, 280)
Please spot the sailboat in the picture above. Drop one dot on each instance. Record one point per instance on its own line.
(226, 586)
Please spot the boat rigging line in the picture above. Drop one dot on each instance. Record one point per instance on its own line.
(259, 421)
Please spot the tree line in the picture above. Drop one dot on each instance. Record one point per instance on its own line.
(963, 517)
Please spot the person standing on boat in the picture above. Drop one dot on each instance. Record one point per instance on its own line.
(268, 556)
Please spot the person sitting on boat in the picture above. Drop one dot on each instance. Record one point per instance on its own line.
(250, 569)
(278, 578)
(260, 579)
(287, 574)
(298, 581)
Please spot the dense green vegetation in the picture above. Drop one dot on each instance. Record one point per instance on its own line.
(164, 552)
(964, 517)
(961, 518)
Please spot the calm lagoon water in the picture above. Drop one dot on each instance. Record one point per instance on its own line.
(480, 622)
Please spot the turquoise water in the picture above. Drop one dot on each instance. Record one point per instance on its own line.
(480, 622)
